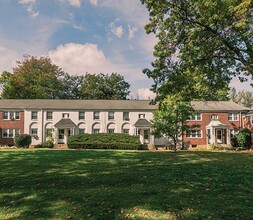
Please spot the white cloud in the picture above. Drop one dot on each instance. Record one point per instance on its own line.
(131, 32)
(30, 7)
(142, 93)
(94, 2)
(80, 58)
(118, 31)
(75, 3)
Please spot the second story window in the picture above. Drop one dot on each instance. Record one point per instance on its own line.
(232, 116)
(49, 116)
(11, 115)
(126, 116)
(142, 116)
(196, 117)
(214, 116)
(65, 115)
(81, 115)
(34, 115)
(96, 115)
(110, 115)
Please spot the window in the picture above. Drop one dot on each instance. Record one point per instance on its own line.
(110, 131)
(194, 134)
(65, 115)
(17, 115)
(34, 132)
(126, 116)
(49, 115)
(96, 115)
(81, 115)
(10, 133)
(196, 117)
(5, 115)
(214, 116)
(137, 132)
(34, 115)
(11, 115)
(233, 133)
(251, 119)
(81, 130)
(95, 131)
(232, 116)
(49, 133)
(125, 131)
(142, 116)
(110, 115)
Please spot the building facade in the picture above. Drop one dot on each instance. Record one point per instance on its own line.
(58, 119)
(217, 122)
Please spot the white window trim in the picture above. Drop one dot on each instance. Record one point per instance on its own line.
(233, 116)
(195, 118)
(201, 134)
(15, 113)
(8, 132)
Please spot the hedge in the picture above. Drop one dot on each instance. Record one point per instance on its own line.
(23, 140)
(104, 141)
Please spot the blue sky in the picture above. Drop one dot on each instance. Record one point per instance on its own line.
(95, 36)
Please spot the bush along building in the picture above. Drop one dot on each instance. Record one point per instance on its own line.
(58, 119)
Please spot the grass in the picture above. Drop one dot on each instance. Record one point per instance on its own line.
(50, 184)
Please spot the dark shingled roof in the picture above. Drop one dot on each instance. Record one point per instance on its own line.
(76, 104)
(142, 122)
(65, 123)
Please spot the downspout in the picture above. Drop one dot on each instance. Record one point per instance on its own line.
(42, 124)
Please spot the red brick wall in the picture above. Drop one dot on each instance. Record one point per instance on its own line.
(206, 118)
(5, 124)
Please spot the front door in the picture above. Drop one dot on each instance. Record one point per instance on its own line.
(219, 134)
(61, 136)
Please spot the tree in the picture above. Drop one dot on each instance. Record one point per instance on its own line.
(34, 78)
(170, 119)
(245, 98)
(101, 86)
(233, 95)
(202, 45)
(38, 78)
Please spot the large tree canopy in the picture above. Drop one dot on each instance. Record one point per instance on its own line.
(38, 78)
(202, 45)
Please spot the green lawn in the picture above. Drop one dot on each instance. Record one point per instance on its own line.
(51, 184)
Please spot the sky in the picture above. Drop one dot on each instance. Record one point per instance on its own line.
(82, 36)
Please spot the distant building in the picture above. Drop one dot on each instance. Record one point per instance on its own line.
(58, 119)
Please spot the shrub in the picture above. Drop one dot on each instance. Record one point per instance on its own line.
(23, 140)
(104, 141)
(47, 144)
(243, 139)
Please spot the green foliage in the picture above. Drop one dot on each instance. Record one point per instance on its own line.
(104, 141)
(47, 144)
(243, 97)
(170, 118)
(202, 45)
(23, 140)
(243, 139)
(38, 78)
(34, 78)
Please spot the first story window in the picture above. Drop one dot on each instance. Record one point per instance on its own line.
(95, 131)
(125, 131)
(10, 132)
(49, 133)
(194, 133)
(111, 131)
(34, 132)
(81, 130)
(233, 133)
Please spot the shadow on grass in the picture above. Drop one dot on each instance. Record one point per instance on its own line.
(125, 185)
